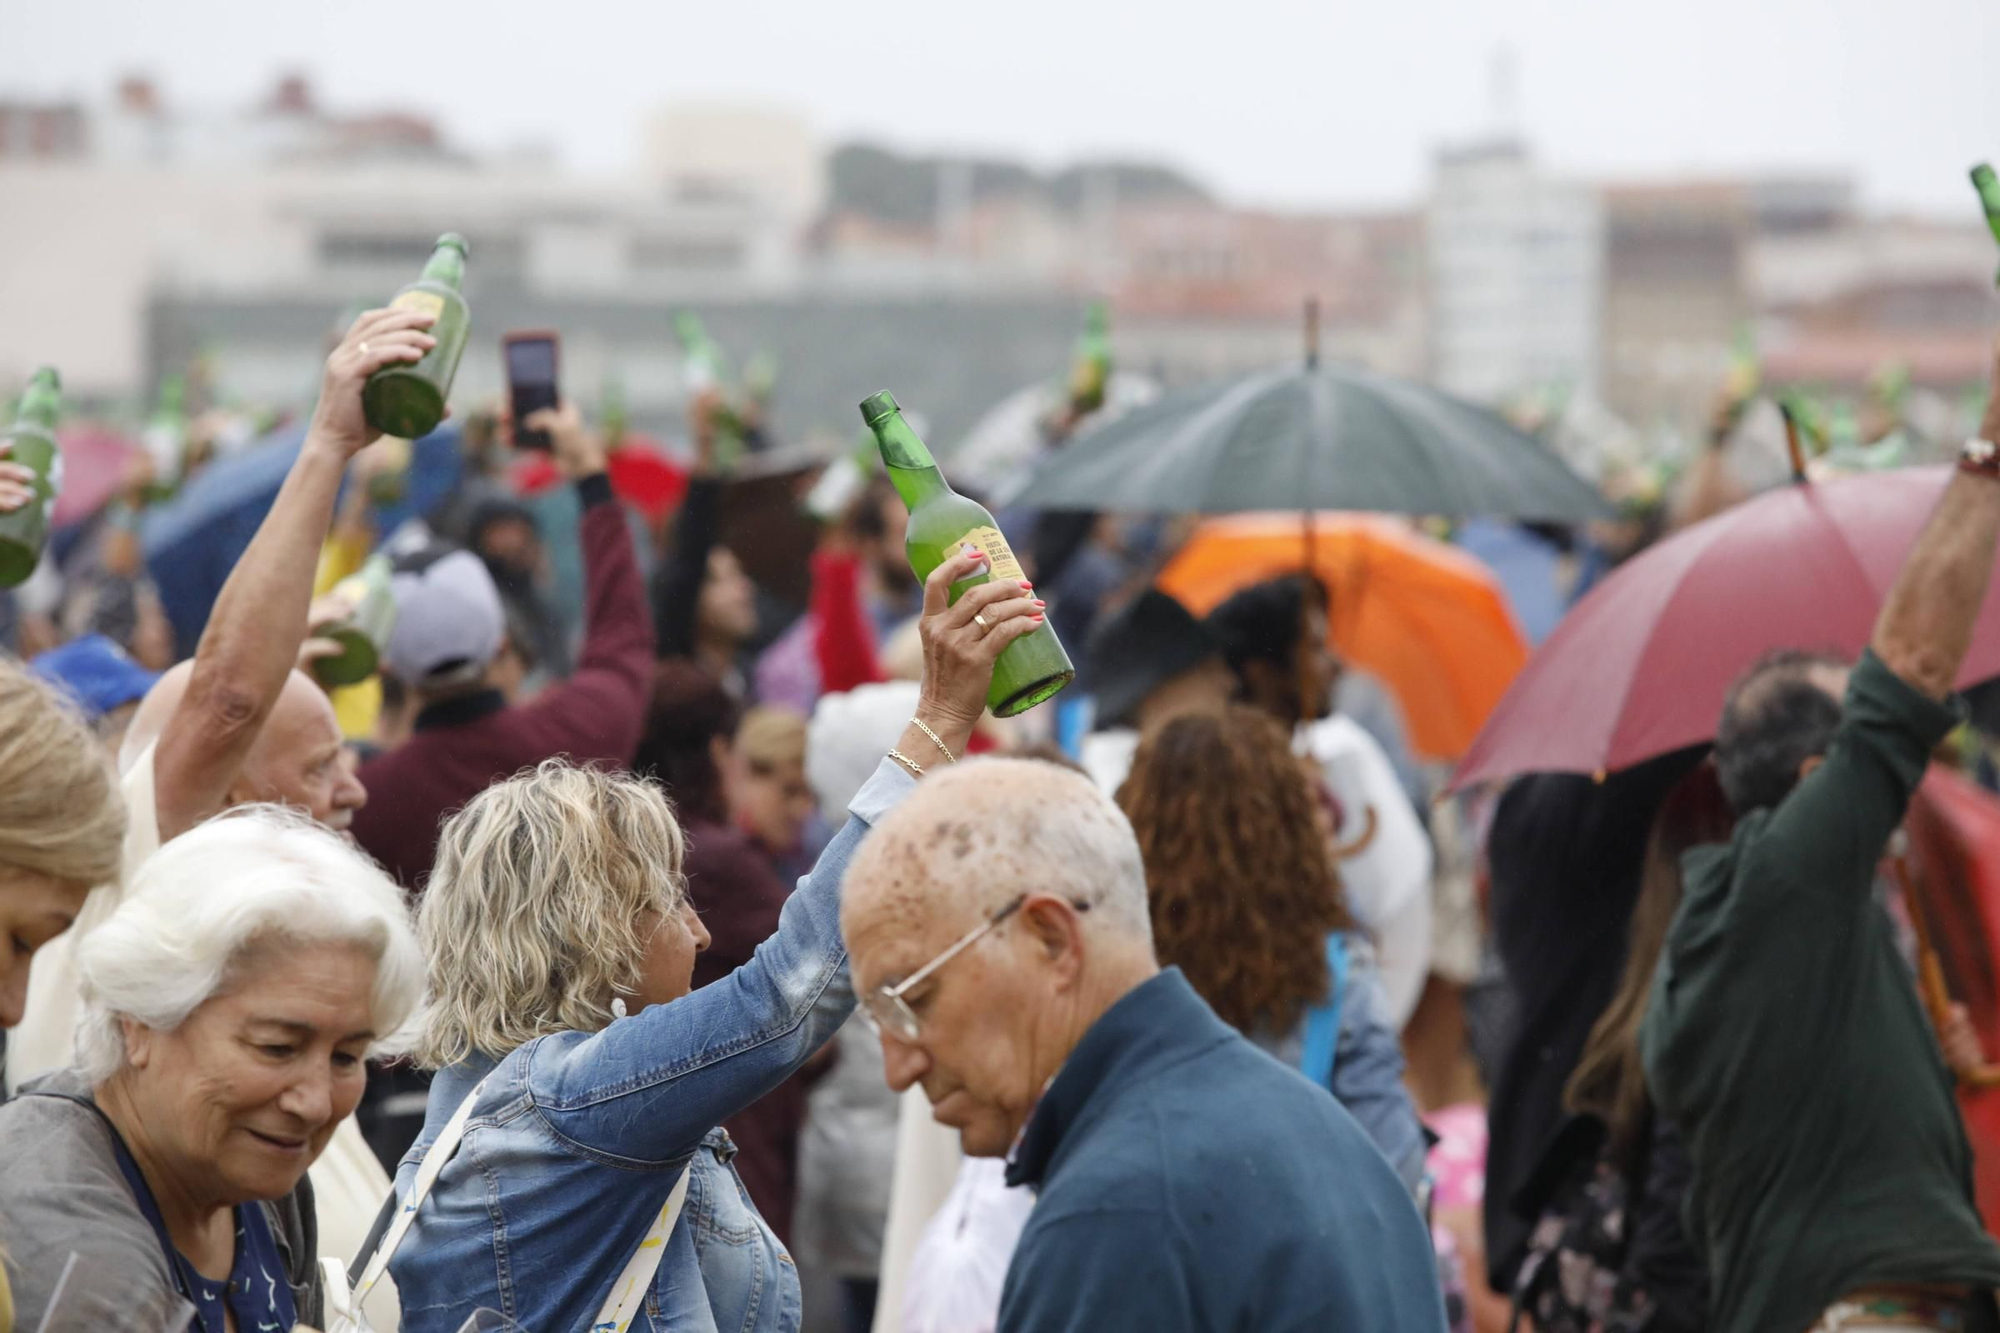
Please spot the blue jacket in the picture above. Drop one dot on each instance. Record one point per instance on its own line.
(579, 1137)
(1188, 1181)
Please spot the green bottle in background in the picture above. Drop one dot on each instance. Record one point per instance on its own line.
(703, 367)
(408, 399)
(1090, 368)
(32, 444)
(364, 632)
(1034, 667)
(1988, 185)
(166, 437)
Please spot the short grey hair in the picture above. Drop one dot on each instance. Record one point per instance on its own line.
(200, 905)
(1074, 840)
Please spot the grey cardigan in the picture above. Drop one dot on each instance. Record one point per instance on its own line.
(61, 1193)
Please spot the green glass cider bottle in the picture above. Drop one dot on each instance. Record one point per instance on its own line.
(32, 444)
(1090, 369)
(364, 632)
(408, 398)
(1034, 667)
(1988, 185)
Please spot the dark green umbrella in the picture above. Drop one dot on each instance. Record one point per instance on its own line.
(1313, 438)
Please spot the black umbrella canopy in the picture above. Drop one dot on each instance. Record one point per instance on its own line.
(1325, 438)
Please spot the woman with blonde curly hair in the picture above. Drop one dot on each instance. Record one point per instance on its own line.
(571, 1170)
(1247, 902)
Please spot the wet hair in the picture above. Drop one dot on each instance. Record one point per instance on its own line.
(1774, 719)
(1238, 869)
(690, 708)
(1262, 622)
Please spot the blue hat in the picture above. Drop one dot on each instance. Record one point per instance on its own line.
(95, 672)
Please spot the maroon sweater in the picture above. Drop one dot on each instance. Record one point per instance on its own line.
(463, 745)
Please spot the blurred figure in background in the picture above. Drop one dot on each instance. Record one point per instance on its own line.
(449, 634)
(103, 680)
(1150, 662)
(1275, 637)
(764, 776)
(1247, 903)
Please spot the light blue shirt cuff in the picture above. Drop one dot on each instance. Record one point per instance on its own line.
(881, 793)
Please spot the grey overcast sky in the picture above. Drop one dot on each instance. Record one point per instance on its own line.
(1283, 102)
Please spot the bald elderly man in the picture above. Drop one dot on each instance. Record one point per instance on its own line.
(999, 938)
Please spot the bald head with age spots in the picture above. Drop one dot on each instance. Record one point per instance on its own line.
(998, 1020)
(298, 758)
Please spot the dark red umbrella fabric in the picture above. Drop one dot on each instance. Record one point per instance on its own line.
(1954, 828)
(642, 475)
(1640, 666)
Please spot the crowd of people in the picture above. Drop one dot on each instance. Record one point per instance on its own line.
(632, 949)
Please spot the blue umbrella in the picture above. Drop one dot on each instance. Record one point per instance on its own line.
(193, 541)
(1529, 568)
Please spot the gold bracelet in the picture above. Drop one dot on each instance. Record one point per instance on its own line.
(918, 723)
(907, 762)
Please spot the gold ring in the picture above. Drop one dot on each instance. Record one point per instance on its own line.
(980, 621)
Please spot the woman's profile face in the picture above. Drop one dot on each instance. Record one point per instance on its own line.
(34, 909)
(673, 939)
(242, 1097)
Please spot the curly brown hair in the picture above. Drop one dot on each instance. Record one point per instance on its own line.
(1238, 868)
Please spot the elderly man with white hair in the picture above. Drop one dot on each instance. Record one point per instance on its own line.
(229, 1005)
(999, 937)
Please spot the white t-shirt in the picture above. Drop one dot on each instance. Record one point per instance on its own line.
(349, 1185)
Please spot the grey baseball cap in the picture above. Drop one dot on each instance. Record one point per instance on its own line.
(449, 623)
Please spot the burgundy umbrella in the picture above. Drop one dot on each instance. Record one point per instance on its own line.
(1640, 666)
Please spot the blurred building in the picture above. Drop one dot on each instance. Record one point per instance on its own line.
(1516, 272)
(286, 203)
(1676, 294)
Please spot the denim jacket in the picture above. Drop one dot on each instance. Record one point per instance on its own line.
(579, 1137)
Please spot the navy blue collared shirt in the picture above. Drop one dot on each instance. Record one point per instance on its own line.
(1188, 1181)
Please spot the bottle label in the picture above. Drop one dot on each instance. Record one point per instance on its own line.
(428, 302)
(998, 554)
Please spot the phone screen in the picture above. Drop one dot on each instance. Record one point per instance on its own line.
(531, 385)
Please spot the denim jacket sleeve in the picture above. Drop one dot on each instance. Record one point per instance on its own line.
(1368, 1074)
(647, 1088)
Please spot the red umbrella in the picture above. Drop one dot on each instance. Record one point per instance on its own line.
(1640, 666)
(1954, 857)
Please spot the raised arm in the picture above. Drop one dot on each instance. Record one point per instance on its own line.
(600, 711)
(698, 526)
(649, 1087)
(253, 634)
(1926, 625)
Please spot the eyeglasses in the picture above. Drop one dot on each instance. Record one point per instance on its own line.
(887, 1011)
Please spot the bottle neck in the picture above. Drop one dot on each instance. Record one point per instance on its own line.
(40, 406)
(447, 266)
(912, 470)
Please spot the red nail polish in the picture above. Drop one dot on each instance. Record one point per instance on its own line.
(1026, 584)
(1040, 602)
(1038, 616)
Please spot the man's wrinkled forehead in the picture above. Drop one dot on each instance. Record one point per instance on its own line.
(899, 906)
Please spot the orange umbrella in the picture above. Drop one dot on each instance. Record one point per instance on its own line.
(1427, 620)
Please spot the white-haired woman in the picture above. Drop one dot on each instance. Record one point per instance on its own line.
(62, 823)
(229, 1004)
(556, 905)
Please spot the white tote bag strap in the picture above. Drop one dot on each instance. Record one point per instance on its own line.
(433, 1162)
(629, 1291)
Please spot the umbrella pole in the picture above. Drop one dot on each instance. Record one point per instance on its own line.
(1931, 988)
(1311, 569)
(1792, 446)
